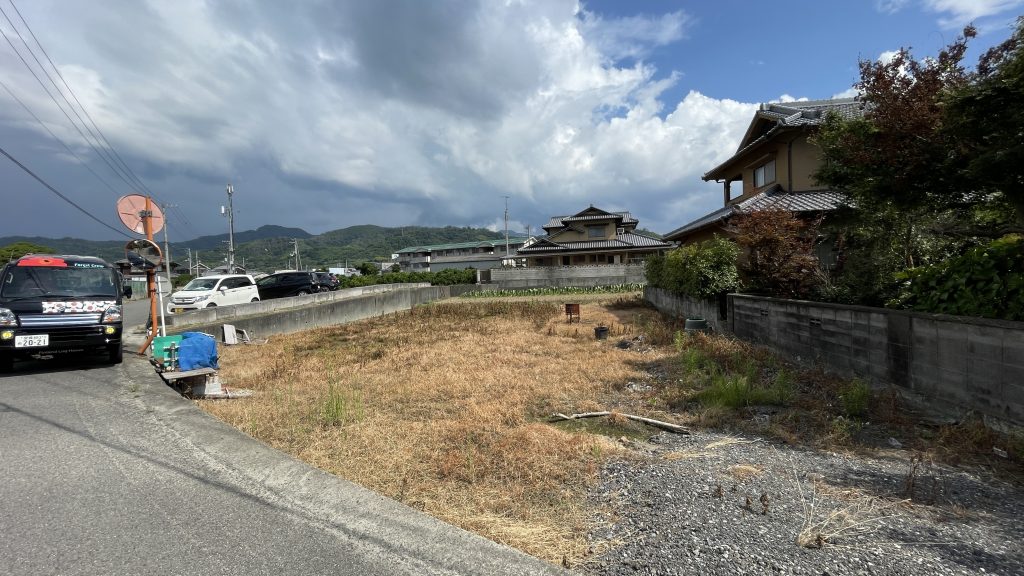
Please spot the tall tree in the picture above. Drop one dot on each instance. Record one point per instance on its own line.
(19, 249)
(984, 121)
(901, 168)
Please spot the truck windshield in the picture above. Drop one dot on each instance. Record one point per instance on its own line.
(32, 281)
(200, 284)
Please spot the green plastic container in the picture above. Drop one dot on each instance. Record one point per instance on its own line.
(162, 350)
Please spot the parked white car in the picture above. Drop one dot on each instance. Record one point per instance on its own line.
(209, 291)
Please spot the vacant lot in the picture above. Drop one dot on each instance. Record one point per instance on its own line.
(446, 409)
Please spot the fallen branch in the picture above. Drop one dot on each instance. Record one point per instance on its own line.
(649, 421)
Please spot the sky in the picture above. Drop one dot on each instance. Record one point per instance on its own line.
(324, 114)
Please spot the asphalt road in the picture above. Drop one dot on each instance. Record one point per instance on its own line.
(106, 470)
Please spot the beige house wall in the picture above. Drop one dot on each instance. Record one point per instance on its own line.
(803, 156)
(806, 160)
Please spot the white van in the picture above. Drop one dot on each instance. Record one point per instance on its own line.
(210, 291)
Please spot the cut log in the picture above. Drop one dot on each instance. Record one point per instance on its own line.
(675, 428)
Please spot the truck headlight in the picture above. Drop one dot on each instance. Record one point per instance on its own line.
(112, 314)
(7, 318)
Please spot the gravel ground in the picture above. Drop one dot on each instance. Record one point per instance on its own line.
(713, 504)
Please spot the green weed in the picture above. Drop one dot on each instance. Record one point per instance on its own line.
(340, 407)
(856, 399)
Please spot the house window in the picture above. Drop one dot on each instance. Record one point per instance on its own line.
(764, 174)
(595, 231)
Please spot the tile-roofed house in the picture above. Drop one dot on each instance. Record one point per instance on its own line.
(481, 255)
(773, 165)
(591, 237)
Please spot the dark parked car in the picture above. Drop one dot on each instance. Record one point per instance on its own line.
(285, 284)
(327, 281)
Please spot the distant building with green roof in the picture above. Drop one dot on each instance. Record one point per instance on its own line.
(480, 255)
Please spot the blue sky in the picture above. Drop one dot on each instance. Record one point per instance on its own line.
(402, 112)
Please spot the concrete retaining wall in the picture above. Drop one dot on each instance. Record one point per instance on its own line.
(564, 276)
(225, 314)
(326, 312)
(955, 364)
(685, 307)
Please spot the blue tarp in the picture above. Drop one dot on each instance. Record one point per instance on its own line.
(197, 350)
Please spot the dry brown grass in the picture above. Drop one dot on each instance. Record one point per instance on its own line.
(441, 408)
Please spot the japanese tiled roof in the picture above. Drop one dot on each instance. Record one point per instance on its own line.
(559, 221)
(791, 115)
(774, 198)
(629, 240)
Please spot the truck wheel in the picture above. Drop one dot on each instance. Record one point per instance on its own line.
(6, 362)
(115, 353)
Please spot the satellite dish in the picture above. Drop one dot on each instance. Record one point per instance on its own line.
(143, 254)
(131, 209)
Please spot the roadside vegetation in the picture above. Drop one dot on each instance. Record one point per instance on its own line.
(448, 407)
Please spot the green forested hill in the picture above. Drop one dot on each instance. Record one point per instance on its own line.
(270, 247)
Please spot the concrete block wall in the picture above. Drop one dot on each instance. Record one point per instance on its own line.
(684, 307)
(328, 312)
(222, 314)
(566, 276)
(954, 364)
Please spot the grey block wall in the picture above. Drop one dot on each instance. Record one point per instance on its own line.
(683, 307)
(955, 364)
(566, 276)
(327, 313)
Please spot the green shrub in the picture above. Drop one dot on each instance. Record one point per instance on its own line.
(736, 391)
(986, 281)
(699, 270)
(564, 291)
(856, 399)
(440, 278)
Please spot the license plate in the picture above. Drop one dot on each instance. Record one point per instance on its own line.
(179, 310)
(31, 341)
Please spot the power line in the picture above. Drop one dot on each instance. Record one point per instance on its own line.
(61, 108)
(110, 147)
(105, 150)
(55, 137)
(57, 192)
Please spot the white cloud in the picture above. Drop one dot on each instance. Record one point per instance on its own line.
(435, 118)
(890, 6)
(848, 93)
(887, 56)
(961, 12)
(633, 36)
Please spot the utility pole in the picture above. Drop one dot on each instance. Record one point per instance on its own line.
(507, 253)
(231, 230)
(298, 261)
(167, 247)
(189, 261)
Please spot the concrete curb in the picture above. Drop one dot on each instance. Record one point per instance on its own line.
(363, 521)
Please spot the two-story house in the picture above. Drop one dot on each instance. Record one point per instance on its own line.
(481, 255)
(773, 167)
(591, 237)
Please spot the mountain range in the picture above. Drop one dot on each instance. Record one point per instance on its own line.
(269, 247)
